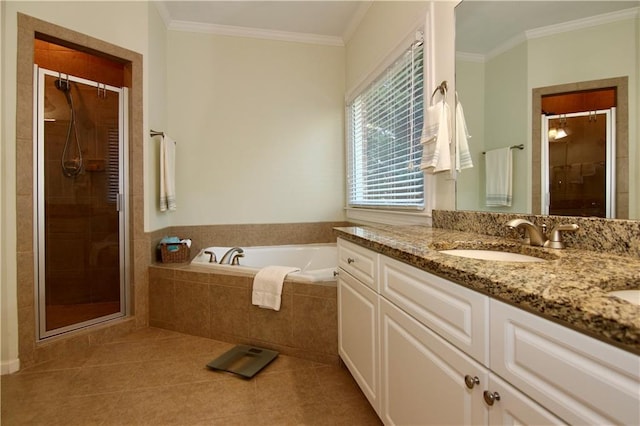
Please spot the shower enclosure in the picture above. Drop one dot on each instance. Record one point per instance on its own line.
(580, 156)
(80, 150)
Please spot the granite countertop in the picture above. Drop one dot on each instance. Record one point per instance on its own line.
(570, 287)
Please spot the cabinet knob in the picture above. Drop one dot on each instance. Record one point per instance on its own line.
(350, 260)
(491, 397)
(471, 381)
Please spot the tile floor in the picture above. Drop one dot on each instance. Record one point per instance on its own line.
(158, 377)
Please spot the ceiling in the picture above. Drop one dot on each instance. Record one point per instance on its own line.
(481, 25)
(320, 20)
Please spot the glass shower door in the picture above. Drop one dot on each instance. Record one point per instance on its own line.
(579, 164)
(80, 152)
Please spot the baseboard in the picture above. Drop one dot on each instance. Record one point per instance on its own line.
(8, 367)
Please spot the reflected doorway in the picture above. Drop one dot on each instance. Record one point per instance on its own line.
(580, 173)
(562, 102)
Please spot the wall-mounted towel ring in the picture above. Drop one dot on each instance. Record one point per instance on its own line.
(442, 88)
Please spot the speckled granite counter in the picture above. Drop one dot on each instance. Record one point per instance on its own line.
(570, 287)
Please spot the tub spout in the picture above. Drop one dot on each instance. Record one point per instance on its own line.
(231, 257)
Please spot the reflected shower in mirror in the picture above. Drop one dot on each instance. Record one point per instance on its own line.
(513, 55)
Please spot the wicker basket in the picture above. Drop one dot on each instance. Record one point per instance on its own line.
(174, 252)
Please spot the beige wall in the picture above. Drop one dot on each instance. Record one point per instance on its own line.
(259, 125)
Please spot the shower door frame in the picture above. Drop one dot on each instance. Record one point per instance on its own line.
(610, 161)
(39, 201)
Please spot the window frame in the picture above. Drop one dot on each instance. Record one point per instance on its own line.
(380, 214)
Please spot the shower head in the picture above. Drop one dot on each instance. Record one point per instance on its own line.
(63, 85)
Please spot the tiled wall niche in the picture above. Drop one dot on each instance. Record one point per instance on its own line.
(31, 352)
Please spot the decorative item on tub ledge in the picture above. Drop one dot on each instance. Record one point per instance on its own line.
(174, 250)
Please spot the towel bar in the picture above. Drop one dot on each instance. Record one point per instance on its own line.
(521, 146)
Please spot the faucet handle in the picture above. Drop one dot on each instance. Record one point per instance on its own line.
(555, 238)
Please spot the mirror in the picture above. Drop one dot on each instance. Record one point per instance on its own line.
(512, 54)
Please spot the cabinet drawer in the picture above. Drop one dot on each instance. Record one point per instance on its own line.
(359, 262)
(580, 379)
(456, 313)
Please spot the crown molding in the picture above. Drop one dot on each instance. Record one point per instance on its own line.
(163, 12)
(578, 24)
(550, 30)
(229, 30)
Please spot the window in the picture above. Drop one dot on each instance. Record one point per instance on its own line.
(384, 151)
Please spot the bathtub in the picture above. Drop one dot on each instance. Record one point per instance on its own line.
(317, 262)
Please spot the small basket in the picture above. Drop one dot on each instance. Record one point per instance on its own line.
(174, 252)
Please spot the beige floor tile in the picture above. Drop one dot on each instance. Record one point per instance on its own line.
(158, 377)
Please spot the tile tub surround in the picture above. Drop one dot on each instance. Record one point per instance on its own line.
(616, 236)
(190, 299)
(569, 288)
(244, 235)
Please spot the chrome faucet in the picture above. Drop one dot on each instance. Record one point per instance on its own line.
(533, 235)
(536, 237)
(232, 256)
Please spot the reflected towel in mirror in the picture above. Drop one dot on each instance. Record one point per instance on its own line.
(498, 170)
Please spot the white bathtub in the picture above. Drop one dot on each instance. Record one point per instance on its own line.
(317, 262)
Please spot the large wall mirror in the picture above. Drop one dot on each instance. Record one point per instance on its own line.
(560, 79)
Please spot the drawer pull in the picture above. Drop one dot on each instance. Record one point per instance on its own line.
(471, 381)
(350, 260)
(491, 397)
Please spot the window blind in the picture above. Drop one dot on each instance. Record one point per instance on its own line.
(385, 123)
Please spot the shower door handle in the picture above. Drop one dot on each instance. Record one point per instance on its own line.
(120, 202)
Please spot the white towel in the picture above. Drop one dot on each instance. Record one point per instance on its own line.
(463, 156)
(435, 140)
(167, 174)
(498, 177)
(267, 286)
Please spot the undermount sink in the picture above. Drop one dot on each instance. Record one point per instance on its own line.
(501, 256)
(632, 296)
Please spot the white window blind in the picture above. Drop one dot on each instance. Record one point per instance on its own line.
(385, 123)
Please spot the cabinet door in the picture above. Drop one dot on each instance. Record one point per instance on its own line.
(423, 376)
(513, 407)
(580, 379)
(358, 341)
(456, 313)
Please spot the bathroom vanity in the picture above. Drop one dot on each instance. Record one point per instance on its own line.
(433, 338)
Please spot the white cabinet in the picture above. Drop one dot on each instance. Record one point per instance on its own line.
(358, 337)
(580, 379)
(426, 351)
(359, 262)
(423, 376)
(456, 313)
(513, 408)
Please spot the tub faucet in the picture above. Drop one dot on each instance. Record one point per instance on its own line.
(231, 257)
(212, 256)
(533, 234)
